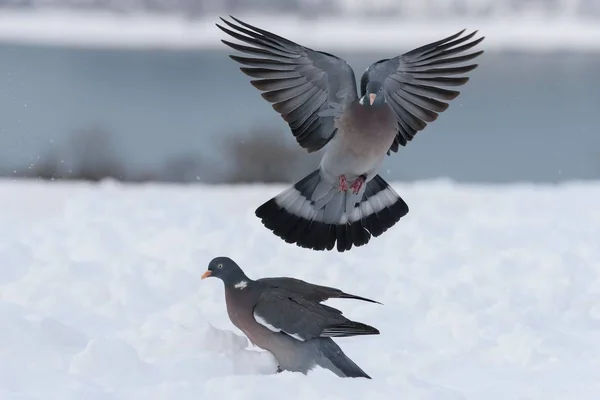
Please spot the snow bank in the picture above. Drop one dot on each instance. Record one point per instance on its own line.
(526, 32)
(489, 292)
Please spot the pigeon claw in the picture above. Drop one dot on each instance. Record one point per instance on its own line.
(343, 185)
(357, 184)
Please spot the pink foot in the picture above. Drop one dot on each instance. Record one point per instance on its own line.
(357, 184)
(343, 184)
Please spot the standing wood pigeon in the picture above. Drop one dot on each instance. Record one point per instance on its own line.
(285, 317)
(345, 200)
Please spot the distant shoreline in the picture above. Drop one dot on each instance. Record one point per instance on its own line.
(147, 31)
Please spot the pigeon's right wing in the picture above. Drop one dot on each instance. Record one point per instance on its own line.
(307, 88)
(282, 311)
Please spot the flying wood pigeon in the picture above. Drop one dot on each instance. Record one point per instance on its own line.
(285, 317)
(345, 200)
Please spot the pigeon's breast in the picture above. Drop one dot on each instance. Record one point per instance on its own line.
(368, 131)
(239, 310)
(364, 136)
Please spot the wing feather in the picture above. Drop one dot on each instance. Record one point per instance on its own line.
(299, 82)
(281, 310)
(413, 81)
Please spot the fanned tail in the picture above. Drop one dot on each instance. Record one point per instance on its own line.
(314, 214)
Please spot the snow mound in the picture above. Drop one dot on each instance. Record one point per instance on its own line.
(111, 363)
(488, 291)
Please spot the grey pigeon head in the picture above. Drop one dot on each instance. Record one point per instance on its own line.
(374, 95)
(226, 270)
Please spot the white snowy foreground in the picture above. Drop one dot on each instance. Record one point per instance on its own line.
(489, 293)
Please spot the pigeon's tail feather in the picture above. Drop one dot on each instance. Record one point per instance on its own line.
(290, 216)
(315, 214)
(334, 359)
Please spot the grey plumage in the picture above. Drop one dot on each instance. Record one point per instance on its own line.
(345, 201)
(310, 291)
(285, 316)
(413, 82)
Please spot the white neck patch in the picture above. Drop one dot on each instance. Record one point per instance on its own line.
(241, 285)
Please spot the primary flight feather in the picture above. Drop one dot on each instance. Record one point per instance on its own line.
(345, 201)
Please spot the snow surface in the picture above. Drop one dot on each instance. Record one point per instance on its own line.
(532, 32)
(489, 293)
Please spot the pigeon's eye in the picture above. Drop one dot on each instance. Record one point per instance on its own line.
(220, 266)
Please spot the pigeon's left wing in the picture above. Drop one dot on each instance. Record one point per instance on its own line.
(413, 82)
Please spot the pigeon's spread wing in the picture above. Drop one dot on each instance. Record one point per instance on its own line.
(307, 88)
(413, 82)
(310, 291)
(282, 311)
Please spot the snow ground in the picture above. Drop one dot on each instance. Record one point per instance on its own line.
(529, 32)
(489, 293)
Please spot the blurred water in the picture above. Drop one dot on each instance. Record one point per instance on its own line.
(522, 117)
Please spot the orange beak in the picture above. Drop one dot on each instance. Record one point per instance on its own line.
(205, 275)
(372, 98)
